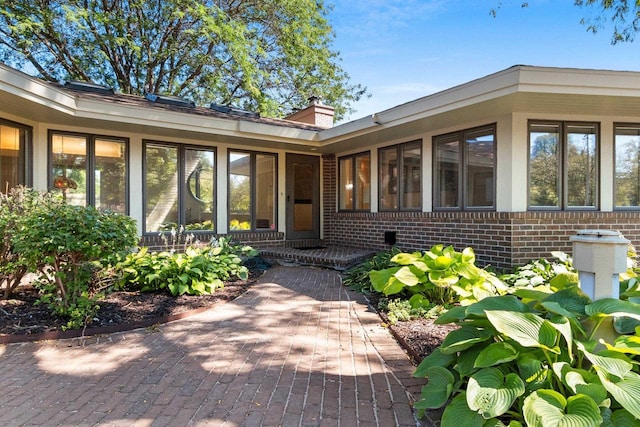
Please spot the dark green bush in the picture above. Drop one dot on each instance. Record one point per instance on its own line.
(62, 242)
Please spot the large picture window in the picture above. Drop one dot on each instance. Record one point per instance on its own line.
(627, 166)
(355, 182)
(563, 165)
(89, 170)
(252, 191)
(179, 187)
(464, 171)
(401, 177)
(15, 141)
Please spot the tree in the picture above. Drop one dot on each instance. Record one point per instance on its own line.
(623, 14)
(267, 56)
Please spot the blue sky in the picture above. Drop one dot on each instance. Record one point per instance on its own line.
(404, 49)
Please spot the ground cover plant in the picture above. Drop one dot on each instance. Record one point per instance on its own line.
(543, 354)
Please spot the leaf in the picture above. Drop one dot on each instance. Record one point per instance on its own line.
(620, 418)
(457, 413)
(562, 325)
(628, 344)
(575, 380)
(548, 408)
(496, 354)
(504, 302)
(527, 329)
(436, 358)
(383, 281)
(406, 277)
(625, 391)
(452, 315)
(437, 391)
(443, 279)
(572, 299)
(613, 307)
(531, 369)
(491, 393)
(463, 338)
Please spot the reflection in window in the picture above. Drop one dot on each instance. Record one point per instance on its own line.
(110, 175)
(252, 191)
(355, 182)
(627, 179)
(464, 175)
(13, 146)
(160, 187)
(479, 168)
(544, 163)
(200, 185)
(563, 166)
(401, 177)
(389, 178)
(69, 157)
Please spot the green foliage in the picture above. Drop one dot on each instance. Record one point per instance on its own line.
(357, 277)
(441, 275)
(399, 310)
(197, 271)
(545, 356)
(268, 56)
(538, 272)
(61, 242)
(15, 206)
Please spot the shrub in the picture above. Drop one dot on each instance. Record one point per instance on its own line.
(197, 271)
(545, 356)
(61, 242)
(357, 277)
(440, 275)
(399, 310)
(15, 207)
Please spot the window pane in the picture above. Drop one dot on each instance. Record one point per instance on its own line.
(239, 191)
(363, 182)
(627, 181)
(480, 164)
(411, 177)
(110, 175)
(12, 153)
(581, 166)
(265, 191)
(447, 173)
(389, 179)
(200, 189)
(69, 155)
(544, 165)
(346, 183)
(161, 188)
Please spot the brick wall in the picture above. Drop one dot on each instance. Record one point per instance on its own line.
(500, 239)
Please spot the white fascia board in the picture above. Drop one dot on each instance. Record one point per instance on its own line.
(279, 133)
(35, 90)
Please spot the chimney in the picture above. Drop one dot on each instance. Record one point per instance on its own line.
(316, 114)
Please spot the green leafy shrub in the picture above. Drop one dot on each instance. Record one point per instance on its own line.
(399, 310)
(441, 275)
(357, 277)
(15, 207)
(545, 356)
(197, 271)
(61, 242)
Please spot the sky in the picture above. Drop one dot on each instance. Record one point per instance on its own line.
(402, 50)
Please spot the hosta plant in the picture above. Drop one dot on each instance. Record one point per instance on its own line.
(545, 356)
(441, 275)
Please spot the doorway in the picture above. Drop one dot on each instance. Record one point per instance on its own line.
(303, 197)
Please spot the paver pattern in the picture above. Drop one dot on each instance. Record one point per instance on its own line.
(298, 349)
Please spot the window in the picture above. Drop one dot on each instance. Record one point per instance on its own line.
(627, 166)
(464, 172)
(252, 191)
(15, 141)
(563, 165)
(89, 170)
(179, 187)
(355, 182)
(401, 177)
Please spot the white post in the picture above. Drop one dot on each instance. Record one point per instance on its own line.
(600, 256)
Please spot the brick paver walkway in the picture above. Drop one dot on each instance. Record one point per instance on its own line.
(298, 349)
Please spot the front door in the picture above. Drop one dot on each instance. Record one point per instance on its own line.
(303, 197)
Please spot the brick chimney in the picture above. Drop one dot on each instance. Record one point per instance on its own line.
(316, 114)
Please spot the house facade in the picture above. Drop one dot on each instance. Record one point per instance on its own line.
(511, 164)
